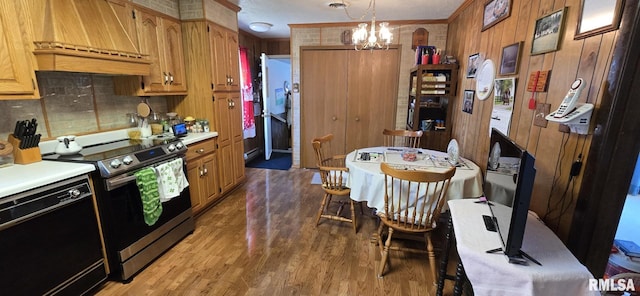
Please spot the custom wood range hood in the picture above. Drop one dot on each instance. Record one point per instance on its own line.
(82, 36)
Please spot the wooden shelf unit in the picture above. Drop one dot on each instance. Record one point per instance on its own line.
(432, 89)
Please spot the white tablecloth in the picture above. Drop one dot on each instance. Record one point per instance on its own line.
(490, 274)
(366, 180)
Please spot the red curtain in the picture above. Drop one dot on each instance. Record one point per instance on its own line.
(247, 95)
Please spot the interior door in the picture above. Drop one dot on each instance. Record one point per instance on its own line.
(266, 113)
(323, 84)
(372, 96)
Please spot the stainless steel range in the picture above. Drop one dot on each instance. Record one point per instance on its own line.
(130, 243)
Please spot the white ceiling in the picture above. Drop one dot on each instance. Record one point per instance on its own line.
(281, 13)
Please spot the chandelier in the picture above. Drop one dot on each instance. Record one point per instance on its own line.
(367, 38)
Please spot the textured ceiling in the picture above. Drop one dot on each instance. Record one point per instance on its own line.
(281, 13)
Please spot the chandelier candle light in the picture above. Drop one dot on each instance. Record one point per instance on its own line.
(363, 39)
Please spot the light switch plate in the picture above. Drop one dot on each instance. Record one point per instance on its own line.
(541, 111)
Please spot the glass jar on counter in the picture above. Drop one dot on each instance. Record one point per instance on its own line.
(205, 125)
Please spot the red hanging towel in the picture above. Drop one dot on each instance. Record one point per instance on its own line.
(247, 96)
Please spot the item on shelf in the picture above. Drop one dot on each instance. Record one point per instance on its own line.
(427, 125)
(435, 59)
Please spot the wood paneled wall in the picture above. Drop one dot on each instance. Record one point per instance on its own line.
(554, 194)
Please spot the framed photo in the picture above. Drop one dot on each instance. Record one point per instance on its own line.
(510, 59)
(597, 17)
(494, 12)
(472, 65)
(548, 31)
(504, 93)
(467, 103)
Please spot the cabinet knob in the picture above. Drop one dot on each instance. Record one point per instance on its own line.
(166, 77)
(357, 118)
(205, 171)
(201, 150)
(334, 118)
(170, 78)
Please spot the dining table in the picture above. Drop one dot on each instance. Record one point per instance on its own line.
(366, 180)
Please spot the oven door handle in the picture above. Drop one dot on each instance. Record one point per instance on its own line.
(119, 182)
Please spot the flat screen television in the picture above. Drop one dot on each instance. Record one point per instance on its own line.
(509, 181)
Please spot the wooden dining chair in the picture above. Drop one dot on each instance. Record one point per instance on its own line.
(413, 201)
(401, 138)
(334, 174)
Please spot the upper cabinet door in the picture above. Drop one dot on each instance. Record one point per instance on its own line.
(217, 37)
(123, 10)
(159, 37)
(233, 51)
(150, 42)
(174, 55)
(225, 58)
(17, 77)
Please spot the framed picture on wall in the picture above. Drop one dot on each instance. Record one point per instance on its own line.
(510, 59)
(472, 65)
(494, 12)
(548, 32)
(467, 103)
(598, 17)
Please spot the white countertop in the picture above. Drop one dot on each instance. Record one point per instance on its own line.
(197, 137)
(18, 177)
(22, 177)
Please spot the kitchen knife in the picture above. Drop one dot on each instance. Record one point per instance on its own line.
(20, 132)
(32, 128)
(23, 143)
(27, 128)
(15, 131)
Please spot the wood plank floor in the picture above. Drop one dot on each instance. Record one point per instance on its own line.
(262, 240)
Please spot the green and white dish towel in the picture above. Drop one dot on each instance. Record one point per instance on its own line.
(147, 182)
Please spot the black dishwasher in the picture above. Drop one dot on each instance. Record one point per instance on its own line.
(50, 241)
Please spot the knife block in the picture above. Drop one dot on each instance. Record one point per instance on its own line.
(24, 156)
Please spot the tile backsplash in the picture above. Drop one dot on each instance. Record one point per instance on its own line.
(73, 103)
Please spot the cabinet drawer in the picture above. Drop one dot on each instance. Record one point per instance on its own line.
(201, 148)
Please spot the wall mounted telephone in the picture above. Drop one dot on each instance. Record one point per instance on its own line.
(570, 113)
(570, 100)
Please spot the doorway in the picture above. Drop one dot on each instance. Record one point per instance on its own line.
(275, 126)
(276, 104)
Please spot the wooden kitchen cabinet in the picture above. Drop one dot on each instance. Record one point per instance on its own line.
(124, 10)
(230, 139)
(202, 173)
(161, 38)
(351, 94)
(203, 100)
(224, 52)
(431, 91)
(17, 75)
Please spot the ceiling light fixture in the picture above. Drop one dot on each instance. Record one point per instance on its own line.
(260, 26)
(364, 38)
